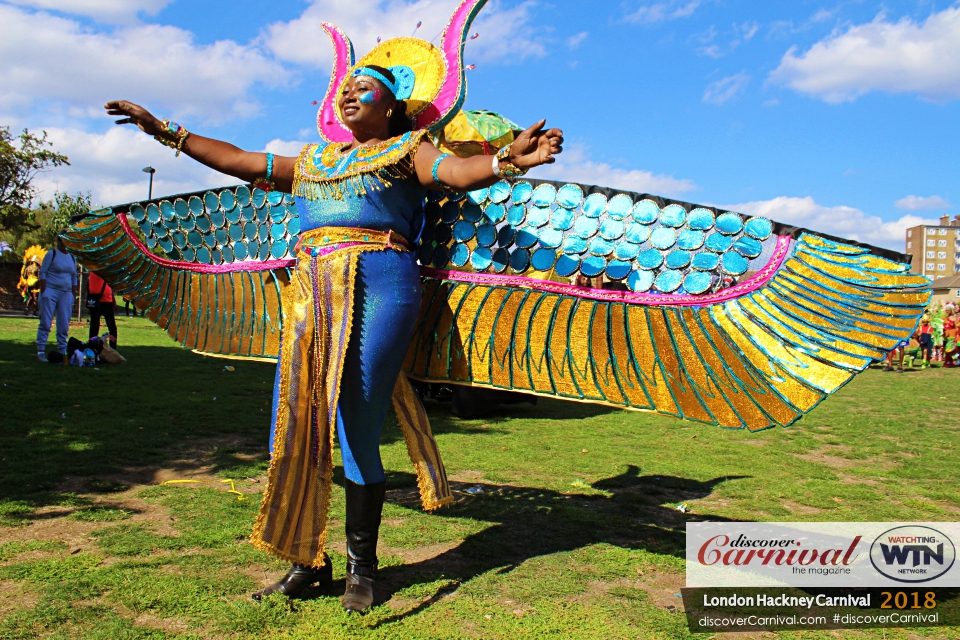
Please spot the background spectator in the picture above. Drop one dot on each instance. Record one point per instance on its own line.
(58, 290)
(105, 307)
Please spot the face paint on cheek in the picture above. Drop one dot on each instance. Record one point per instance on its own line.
(369, 97)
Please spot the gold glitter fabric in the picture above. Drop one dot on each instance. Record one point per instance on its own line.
(318, 321)
(756, 361)
(238, 314)
(324, 171)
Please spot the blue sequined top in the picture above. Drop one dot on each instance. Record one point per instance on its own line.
(398, 207)
(370, 187)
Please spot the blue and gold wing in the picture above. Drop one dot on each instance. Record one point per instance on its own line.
(208, 267)
(692, 312)
(702, 314)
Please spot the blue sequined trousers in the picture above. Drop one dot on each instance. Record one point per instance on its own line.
(386, 308)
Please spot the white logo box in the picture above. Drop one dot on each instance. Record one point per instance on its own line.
(823, 554)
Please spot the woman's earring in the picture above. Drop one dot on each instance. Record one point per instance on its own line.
(389, 113)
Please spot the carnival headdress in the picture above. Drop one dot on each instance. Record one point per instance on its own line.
(431, 79)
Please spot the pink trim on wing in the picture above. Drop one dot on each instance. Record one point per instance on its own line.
(201, 268)
(759, 279)
(328, 123)
(335, 247)
(451, 45)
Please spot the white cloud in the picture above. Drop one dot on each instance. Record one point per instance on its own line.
(304, 42)
(722, 90)
(575, 165)
(922, 203)
(712, 51)
(291, 148)
(109, 166)
(109, 11)
(896, 57)
(748, 29)
(53, 60)
(574, 42)
(660, 11)
(842, 221)
(822, 15)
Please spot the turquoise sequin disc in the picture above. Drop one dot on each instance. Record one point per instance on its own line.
(690, 240)
(592, 266)
(544, 195)
(646, 212)
(640, 281)
(566, 266)
(729, 223)
(594, 205)
(705, 261)
(669, 281)
(663, 238)
(734, 263)
(673, 216)
(570, 196)
(718, 242)
(650, 259)
(701, 219)
(543, 259)
(637, 233)
(697, 282)
(481, 259)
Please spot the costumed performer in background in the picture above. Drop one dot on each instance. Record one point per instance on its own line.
(353, 307)
(29, 283)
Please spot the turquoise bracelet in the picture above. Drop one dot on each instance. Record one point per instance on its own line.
(436, 166)
(266, 182)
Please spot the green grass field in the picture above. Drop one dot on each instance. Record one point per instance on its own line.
(575, 534)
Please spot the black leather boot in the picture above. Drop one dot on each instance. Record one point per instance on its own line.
(364, 506)
(297, 579)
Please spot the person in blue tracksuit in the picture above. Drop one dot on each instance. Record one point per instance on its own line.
(58, 290)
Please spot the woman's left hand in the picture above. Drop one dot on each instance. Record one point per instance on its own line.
(535, 146)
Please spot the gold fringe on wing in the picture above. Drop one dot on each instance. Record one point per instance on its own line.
(756, 361)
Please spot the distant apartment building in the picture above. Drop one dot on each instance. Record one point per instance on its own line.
(935, 249)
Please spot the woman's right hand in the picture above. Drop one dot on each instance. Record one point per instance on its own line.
(134, 114)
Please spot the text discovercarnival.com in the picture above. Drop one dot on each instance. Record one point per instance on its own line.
(821, 575)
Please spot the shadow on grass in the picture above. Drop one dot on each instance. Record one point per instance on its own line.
(532, 522)
(68, 430)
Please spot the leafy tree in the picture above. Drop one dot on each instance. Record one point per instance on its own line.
(19, 165)
(69, 206)
(45, 220)
(22, 158)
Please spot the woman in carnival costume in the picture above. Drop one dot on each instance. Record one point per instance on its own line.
(29, 283)
(737, 322)
(361, 211)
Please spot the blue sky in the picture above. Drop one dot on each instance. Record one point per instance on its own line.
(840, 116)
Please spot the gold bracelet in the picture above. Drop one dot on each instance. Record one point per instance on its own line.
(507, 168)
(178, 133)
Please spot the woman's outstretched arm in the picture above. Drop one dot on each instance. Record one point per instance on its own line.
(216, 154)
(532, 148)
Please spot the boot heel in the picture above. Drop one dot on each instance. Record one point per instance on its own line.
(358, 595)
(298, 579)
